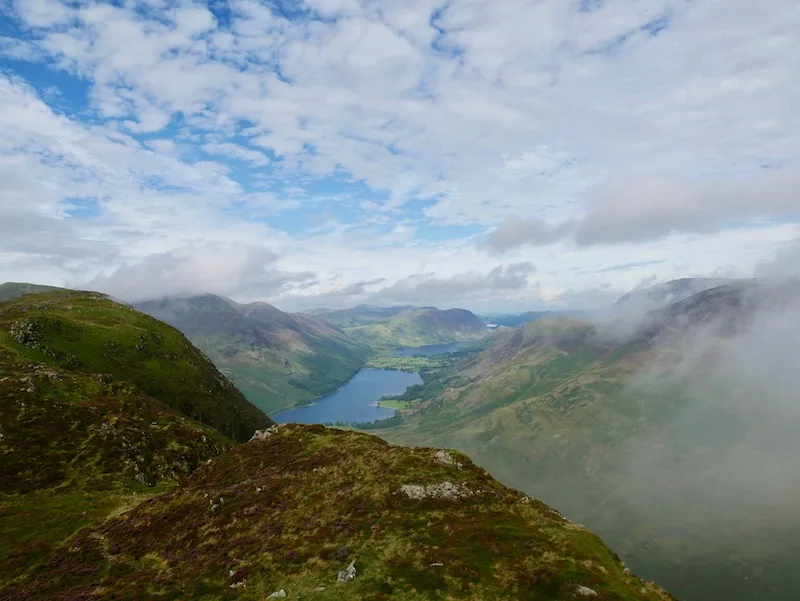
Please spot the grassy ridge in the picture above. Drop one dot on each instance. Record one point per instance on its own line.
(255, 521)
(86, 332)
(84, 431)
(276, 359)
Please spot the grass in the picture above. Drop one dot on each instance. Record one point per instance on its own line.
(87, 333)
(413, 363)
(419, 327)
(393, 404)
(257, 516)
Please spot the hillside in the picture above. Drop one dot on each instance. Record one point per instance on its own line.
(91, 403)
(86, 332)
(11, 290)
(420, 327)
(673, 441)
(648, 298)
(277, 359)
(515, 320)
(373, 522)
(361, 315)
(108, 492)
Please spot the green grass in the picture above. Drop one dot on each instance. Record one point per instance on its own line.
(393, 404)
(413, 363)
(419, 327)
(291, 511)
(276, 359)
(87, 333)
(33, 525)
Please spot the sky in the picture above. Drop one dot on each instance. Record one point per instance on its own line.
(488, 154)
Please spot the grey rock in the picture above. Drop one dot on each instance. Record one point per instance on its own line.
(348, 574)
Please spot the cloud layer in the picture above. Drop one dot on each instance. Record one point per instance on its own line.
(423, 144)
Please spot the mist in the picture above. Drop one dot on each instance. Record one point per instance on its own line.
(705, 496)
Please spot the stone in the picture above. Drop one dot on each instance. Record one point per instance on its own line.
(348, 574)
(585, 591)
(263, 434)
(443, 490)
(280, 594)
(445, 458)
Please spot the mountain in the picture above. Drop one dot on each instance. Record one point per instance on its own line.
(95, 408)
(652, 297)
(361, 315)
(109, 491)
(419, 327)
(11, 290)
(674, 441)
(514, 320)
(88, 333)
(329, 514)
(277, 359)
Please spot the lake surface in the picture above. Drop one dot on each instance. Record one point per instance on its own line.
(355, 401)
(431, 349)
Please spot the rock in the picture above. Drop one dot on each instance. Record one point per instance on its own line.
(348, 574)
(437, 564)
(240, 584)
(281, 594)
(445, 458)
(263, 434)
(585, 591)
(319, 589)
(444, 490)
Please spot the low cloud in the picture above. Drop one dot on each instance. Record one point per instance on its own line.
(240, 271)
(426, 287)
(649, 207)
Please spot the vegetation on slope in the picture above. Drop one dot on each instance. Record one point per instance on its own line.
(11, 290)
(86, 332)
(420, 327)
(294, 509)
(91, 395)
(664, 454)
(277, 359)
(361, 315)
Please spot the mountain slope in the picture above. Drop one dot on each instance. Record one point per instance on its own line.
(674, 442)
(275, 358)
(361, 315)
(420, 327)
(91, 402)
(412, 524)
(11, 290)
(86, 332)
(652, 297)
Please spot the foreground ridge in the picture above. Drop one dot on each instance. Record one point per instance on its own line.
(307, 511)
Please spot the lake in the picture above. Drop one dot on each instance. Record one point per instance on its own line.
(355, 401)
(431, 349)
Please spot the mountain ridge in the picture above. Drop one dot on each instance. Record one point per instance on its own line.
(608, 425)
(278, 359)
(108, 492)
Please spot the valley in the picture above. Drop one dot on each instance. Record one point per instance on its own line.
(132, 469)
(672, 439)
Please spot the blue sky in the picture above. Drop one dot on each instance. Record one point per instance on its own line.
(487, 154)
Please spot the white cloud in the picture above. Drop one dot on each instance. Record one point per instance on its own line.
(537, 118)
